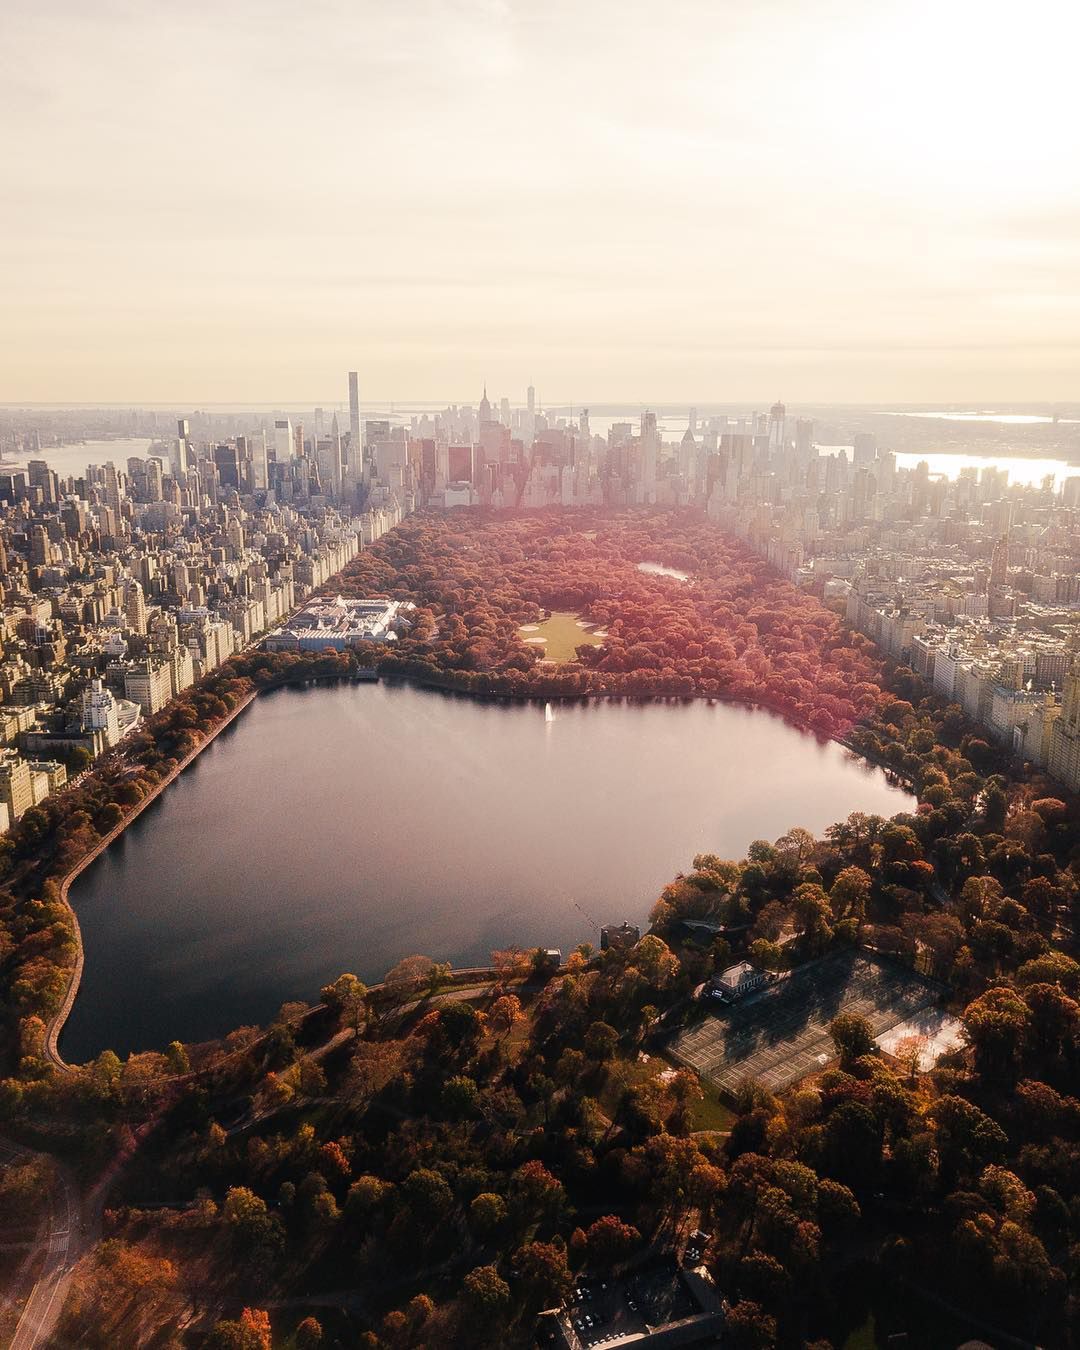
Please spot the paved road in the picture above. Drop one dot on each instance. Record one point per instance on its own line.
(63, 1245)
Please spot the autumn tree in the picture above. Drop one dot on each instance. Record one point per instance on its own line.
(257, 1233)
(610, 1241)
(346, 997)
(543, 1272)
(309, 1334)
(408, 977)
(505, 1013)
(251, 1331)
(748, 1327)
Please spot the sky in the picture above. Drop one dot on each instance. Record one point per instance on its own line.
(822, 200)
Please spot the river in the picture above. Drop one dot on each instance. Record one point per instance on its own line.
(72, 460)
(1027, 472)
(344, 827)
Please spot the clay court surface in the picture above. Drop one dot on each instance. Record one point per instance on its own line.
(780, 1034)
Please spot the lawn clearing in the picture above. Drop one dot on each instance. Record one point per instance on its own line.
(561, 634)
(626, 1071)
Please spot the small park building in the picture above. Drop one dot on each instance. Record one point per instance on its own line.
(736, 982)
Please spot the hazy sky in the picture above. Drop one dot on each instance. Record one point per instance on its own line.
(688, 200)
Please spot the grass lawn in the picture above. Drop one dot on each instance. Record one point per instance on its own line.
(708, 1114)
(562, 635)
(864, 1338)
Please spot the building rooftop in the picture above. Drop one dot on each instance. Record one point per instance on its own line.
(734, 975)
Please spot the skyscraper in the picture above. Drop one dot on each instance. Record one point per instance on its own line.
(650, 449)
(283, 440)
(180, 457)
(804, 440)
(777, 423)
(99, 712)
(1064, 758)
(135, 607)
(41, 476)
(155, 474)
(113, 489)
(227, 459)
(999, 562)
(259, 472)
(354, 409)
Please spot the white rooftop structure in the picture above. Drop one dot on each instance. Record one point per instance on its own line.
(334, 623)
(736, 981)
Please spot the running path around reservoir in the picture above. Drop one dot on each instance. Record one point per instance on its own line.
(56, 1023)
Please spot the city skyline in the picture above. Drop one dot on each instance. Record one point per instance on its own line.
(540, 674)
(852, 206)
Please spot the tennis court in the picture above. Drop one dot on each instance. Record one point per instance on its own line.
(780, 1034)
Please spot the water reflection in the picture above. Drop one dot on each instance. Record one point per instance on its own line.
(345, 827)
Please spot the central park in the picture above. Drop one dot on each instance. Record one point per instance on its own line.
(722, 763)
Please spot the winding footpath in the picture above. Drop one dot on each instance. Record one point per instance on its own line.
(74, 1223)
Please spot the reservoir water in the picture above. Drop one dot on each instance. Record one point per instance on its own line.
(345, 827)
(659, 570)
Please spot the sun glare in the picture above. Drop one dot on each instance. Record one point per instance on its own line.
(977, 98)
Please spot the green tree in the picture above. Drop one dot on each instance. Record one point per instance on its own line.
(850, 893)
(852, 1036)
(459, 1096)
(997, 1025)
(967, 1139)
(367, 1194)
(486, 1295)
(177, 1058)
(486, 1214)
(600, 1042)
(438, 975)
(347, 998)
(812, 912)
(853, 1145)
(257, 1233)
(429, 1197)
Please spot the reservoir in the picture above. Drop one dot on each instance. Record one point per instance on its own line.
(659, 570)
(345, 827)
